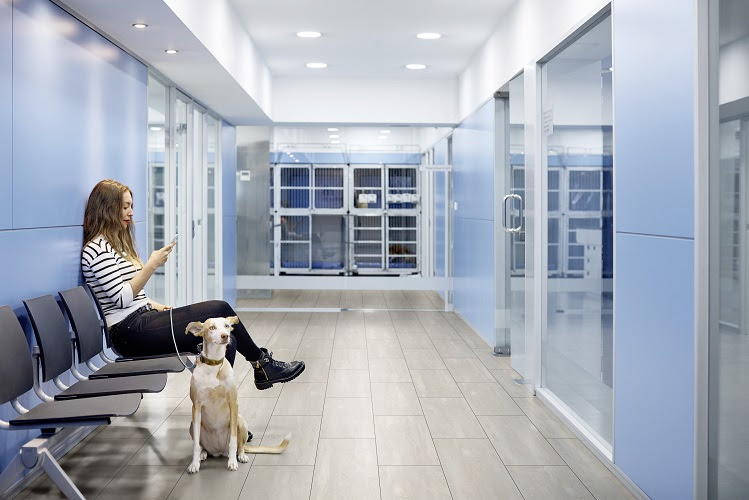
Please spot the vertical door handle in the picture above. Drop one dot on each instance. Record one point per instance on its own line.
(504, 213)
(520, 213)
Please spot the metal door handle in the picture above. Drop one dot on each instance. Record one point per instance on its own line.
(504, 213)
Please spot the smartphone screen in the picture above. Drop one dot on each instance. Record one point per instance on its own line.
(174, 240)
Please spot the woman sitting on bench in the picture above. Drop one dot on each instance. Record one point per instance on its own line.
(140, 326)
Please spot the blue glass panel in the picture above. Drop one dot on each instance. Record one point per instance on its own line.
(6, 116)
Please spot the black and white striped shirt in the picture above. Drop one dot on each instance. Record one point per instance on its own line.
(108, 274)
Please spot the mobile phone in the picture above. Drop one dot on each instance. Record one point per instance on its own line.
(174, 240)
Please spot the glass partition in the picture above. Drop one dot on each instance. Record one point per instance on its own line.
(212, 199)
(156, 166)
(728, 407)
(577, 343)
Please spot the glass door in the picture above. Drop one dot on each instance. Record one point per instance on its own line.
(212, 212)
(577, 338)
(177, 272)
(196, 291)
(728, 405)
(157, 165)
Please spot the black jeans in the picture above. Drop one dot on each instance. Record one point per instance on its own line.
(149, 333)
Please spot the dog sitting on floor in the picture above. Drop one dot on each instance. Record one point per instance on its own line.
(217, 428)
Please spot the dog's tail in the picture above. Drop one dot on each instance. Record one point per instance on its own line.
(269, 449)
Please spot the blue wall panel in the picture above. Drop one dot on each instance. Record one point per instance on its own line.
(473, 164)
(229, 207)
(6, 114)
(654, 369)
(473, 231)
(654, 118)
(473, 268)
(79, 116)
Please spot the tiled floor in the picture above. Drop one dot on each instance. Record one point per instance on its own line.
(393, 404)
(351, 299)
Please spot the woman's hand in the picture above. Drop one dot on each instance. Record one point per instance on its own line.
(159, 307)
(159, 257)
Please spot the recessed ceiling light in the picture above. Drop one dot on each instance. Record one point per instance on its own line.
(296, 161)
(155, 127)
(383, 137)
(429, 36)
(140, 26)
(309, 34)
(171, 51)
(317, 65)
(334, 136)
(335, 142)
(332, 130)
(384, 131)
(415, 66)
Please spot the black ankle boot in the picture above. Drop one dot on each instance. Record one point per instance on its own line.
(268, 371)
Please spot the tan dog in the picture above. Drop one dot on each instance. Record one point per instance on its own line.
(217, 428)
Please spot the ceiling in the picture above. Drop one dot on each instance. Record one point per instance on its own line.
(365, 39)
(362, 42)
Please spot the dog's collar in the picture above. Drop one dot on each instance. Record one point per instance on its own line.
(212, 362)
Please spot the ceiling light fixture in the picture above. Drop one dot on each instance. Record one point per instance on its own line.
(316, 65)
(384, 131)
(415, 66)
(332, 130)
(383, 137)
(155, 127)
(309, 34)
(171, 51)
(334, 136)
(140, 26)
(428, 36)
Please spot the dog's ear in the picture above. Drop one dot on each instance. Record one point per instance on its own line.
(196, 328)
(233, 320)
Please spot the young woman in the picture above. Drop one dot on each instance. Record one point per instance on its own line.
(138, 325)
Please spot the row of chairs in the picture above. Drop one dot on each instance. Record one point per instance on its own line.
(114, 390)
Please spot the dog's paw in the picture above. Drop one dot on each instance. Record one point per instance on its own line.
(193, 467)
(243, 457)
(203, 455)
(232, 464)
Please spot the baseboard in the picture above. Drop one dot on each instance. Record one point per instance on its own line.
(57, 451)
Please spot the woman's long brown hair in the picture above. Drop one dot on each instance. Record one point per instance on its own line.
(103, 218)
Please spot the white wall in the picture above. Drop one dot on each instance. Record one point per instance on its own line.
(362, 101)
(527, 31)
(734, 71)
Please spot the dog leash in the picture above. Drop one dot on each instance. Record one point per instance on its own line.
(174, 339)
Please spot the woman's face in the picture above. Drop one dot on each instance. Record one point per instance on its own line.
(127, 210)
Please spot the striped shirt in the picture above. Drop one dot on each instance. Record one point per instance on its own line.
(108, 274)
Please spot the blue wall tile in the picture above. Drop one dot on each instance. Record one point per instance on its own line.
(473, 232)
(6, 114)
(79, 116)
(654, 369)
(473, 164)
(654, 118)
(229, 207)
(473, 271)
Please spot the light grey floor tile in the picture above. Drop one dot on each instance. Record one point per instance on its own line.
(415, 340)
(442, 332)
(348, 384)
(451, 418)
(171, 444)
(473, 470)
(545, 421)
(349, 359)
(492, 362)
(423, 359)
(315, 370)
(453, 349)
(314, 348)
(326, 319)
(507, 378)
(285, 340)
(435, 384)
(404, 441)
(518, 442)
(350, 340)
(384, 348)
(378, 332)
(143, 482)
(319, 332)
(349, 326)
(347, 418)
(395, 399)
(388, 370)
(593, 474)
(408, 325)
(474, 340)
(302, 398)
(213, 477)
(403, 315)
(468, 370)
(413, 482)
(489, 399)
(304, 431)
(543, 482)
(346, 468)
(278, 482)
(256, 412)
(377, 316)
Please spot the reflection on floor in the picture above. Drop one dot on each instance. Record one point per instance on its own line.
(393, 404)
(349, 299)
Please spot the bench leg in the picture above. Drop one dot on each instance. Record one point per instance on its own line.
(58, 476)
(11, 474)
